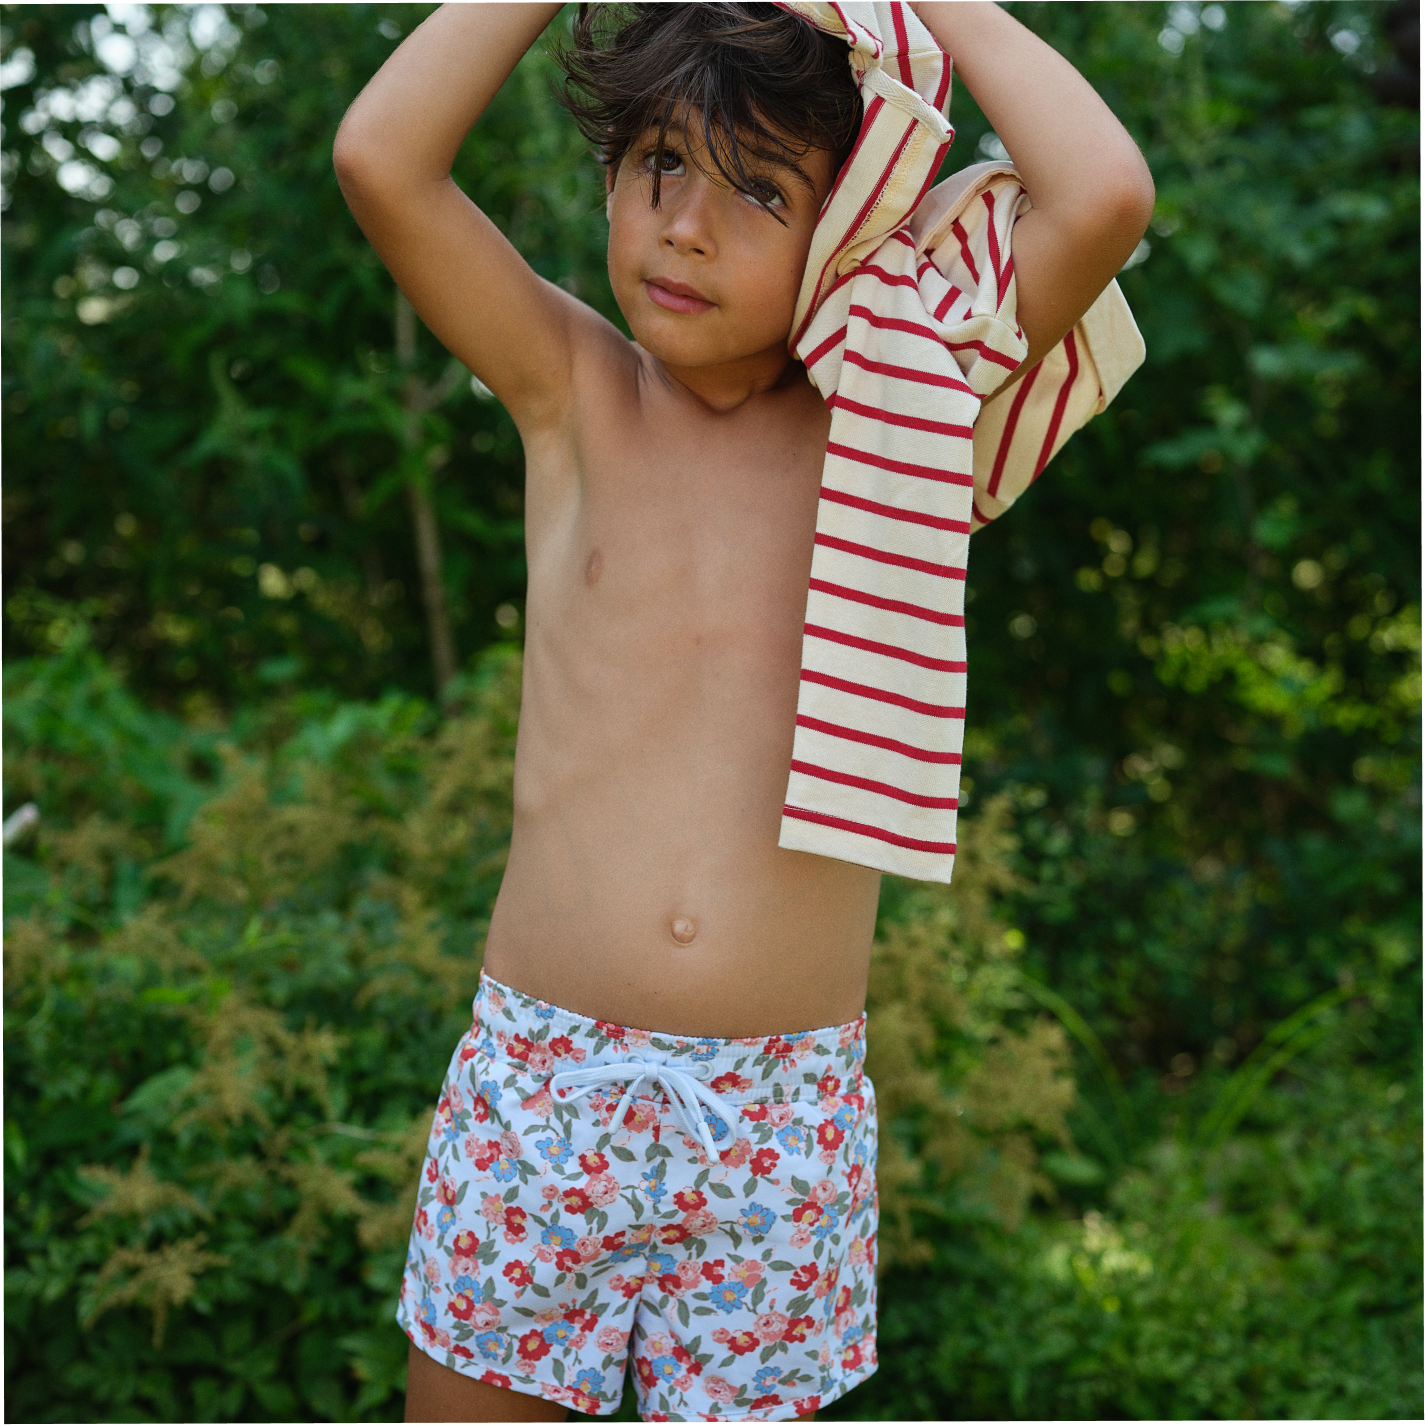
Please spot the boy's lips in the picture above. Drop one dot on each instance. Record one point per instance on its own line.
(676, 296)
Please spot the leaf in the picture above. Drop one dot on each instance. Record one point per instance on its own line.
(622, 1154)
(720, 1190)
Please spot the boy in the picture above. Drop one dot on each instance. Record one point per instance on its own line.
(648, 1146)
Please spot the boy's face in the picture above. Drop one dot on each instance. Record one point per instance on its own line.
(710, 276)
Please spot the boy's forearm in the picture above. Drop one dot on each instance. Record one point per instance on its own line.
(407, 125)
(1078, 163)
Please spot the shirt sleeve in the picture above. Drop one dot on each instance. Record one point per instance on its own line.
(964, 228)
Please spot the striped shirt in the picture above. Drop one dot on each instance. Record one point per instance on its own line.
(906, 323)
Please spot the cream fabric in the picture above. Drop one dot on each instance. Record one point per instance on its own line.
(906, 324)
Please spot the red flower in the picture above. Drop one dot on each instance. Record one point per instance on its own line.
(432, 1170)
(466, 1244)
(828, 1135)
(778, 1048)
(690, 1201)
(763, 1401)
(808, 1404)
(755, 1111)
(593, 1163)
(694, 1367)
(741, 1342)
(612, 1241)
(492, 1377)
(445, 1191)
(575, 1200)
(610, 1031)
(480, 1109)
(712, 1271)
(843, 1300)
(582, 1320)
(488, 1152)
(462, 1306)
(519, 1047)
(518, 1273)
(561, 1045)
(468, 1049)
(458, 1350)
(671, 1233)
(798, 1329)
(533, 1346)
(805, 1275)
(566, 1259)
(828, 1084)
(807, 1212)
(851, 1357)
(762, 1162)
(515, 1218)
(583, 1402)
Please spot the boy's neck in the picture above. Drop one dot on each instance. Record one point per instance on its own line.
(724, 386)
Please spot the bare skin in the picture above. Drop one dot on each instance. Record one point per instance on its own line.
(671, 499)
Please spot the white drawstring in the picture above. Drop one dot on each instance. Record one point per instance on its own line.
(686, 1092)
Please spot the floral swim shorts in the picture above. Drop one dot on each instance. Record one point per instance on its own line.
(704, 1207)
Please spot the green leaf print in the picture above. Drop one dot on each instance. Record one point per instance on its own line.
(624, 1155)
(719, 1189)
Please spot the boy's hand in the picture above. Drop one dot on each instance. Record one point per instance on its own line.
(1091, 190)
(393, 156)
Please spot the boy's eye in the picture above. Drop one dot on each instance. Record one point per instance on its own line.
(665, 160)
(764, 193)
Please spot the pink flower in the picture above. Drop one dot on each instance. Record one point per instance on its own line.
(602, 1189)
(486, 1315)
(701, 1222)
(827, 1284)
(588, 1248)
(749, 1272)
(611, 1341)
(738, 1154)
(539, 1103)
(780, 1114)
(720, 1390)
(801, 1235)
(544, 1252)
(689, 1274)
(541, 1061)
(510, 1142)
(492, 1209)
(770, 1326)
(823, 1192)
(730, 1082)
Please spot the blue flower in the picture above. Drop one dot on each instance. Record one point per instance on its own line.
(665, 1367)
(589, 1380)
(756, 1219)
(504, 1169)
(766, 1378)
(844, 1117)
(557, 1150)
(660, 1264)
(716, 1126)
(544, 1011)
(793, 1138)
(559, 1333)
(489, 1344)
(626, 1253)
(464, 1282)
(426, 1311)
(859, 1156)
(728, 1296)
(490, 1091)
(703, 1050)
(444, 1219)
(827, 1225)
(655, 1191)
(556, 1236)
(852, 1335)
(486, 1047)
(451, 1132)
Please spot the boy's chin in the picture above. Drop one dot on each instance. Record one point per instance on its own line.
(687, 351)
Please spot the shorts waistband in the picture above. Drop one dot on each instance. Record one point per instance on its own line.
(542, 1039)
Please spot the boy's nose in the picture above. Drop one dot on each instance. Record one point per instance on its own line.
(689, 221)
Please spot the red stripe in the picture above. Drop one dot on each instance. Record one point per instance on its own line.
(1047, 449)
(1005, 277)
(893, 512)
(988, 199)
(813, 357)
(966, 256)
(904, 373)
(944, 848)
(898, 467)
(889, 650)
(871, 739)
(988, 352)
(947, 301)
(884, 556)
(901, 236)
(894, 418)
(865, 784)
(1007, 436)
(894, 606)
(880, 695)
(895, 324)
(942, 90)
(903, 45)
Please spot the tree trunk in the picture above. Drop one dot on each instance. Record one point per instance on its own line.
(416, 399)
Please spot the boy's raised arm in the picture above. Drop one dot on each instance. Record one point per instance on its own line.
(1091, 190)
(393, 156)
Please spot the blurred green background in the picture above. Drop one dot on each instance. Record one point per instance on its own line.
(1150, 1073)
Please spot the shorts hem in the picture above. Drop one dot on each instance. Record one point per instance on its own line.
(520, 1384)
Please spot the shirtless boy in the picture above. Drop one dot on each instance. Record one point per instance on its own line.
(650, 1147)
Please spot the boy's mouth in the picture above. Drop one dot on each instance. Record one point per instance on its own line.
(676, 296)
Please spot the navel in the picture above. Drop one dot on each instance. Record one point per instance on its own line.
(684, 930)
(593, 567)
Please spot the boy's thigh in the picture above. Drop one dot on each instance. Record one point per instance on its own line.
(435, 1392)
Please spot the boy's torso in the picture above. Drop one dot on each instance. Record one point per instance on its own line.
(669, 550)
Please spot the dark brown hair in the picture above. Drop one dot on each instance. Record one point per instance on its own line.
(761, 83)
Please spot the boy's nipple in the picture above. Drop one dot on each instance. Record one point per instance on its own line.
(684, 930)
(593, 567)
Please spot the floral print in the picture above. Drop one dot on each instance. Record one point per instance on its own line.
(553, 1247)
